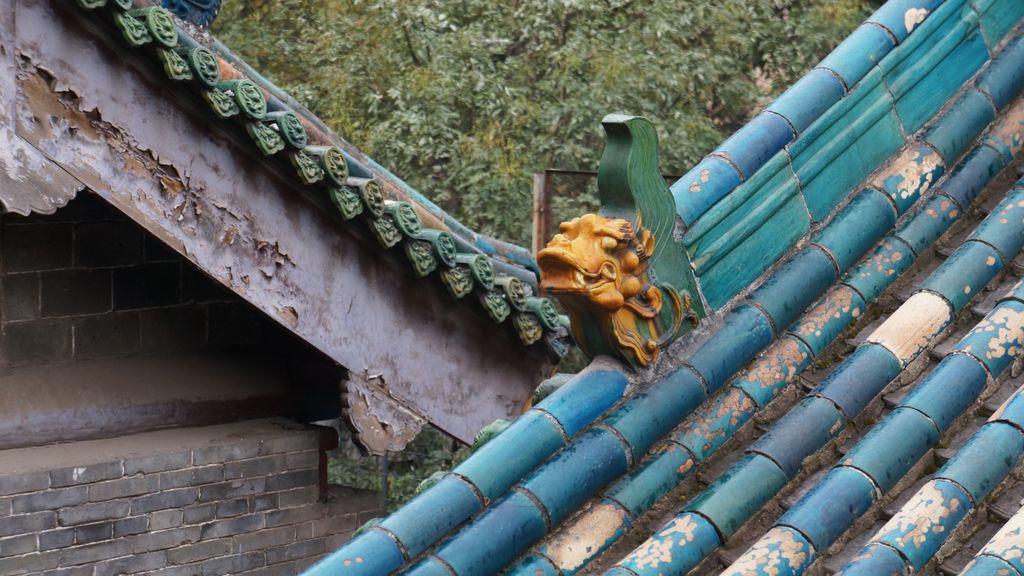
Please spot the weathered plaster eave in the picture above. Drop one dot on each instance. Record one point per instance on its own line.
(90, 120)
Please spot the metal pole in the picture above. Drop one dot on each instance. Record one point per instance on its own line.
(384, 482)
(541, 211)
(542, 201)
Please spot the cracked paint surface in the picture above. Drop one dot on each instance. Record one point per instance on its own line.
(974, 568)
(913, 326)
(667, 466)
(946, 209)
(716, 421)
(704, 176)
(774, 369)
(781, 372)
(1007, 134)
(585, 536)
(675, 549)
(826, 320)
(874, 274)
(1007, 212)
(925, 521)
(999, 336)
(1010, 211)
(779, 551)
(913, 17)
(28, 181)
(883, 260)
(658, 548)
(910, 175)
(967, 270)
(241, 222)
(1008, 543)
(866, 563)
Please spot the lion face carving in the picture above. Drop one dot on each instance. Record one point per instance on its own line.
(597, 267)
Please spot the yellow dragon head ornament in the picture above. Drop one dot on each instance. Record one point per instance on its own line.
(622, 275)
(597, 267)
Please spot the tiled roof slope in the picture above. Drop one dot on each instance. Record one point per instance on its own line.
(796, 226)
(873, 466)
(796, 162)
(500, 276)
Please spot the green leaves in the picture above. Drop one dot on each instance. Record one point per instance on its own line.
(466, 99)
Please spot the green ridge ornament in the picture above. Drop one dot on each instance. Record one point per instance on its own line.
(175, 66)
(292, 131)
(306, 167)
(248, 95)
(496, 305)
(406, 218)
(267, 139)
(134, 32)
(480, 267)
(442, 243)
(516, 291)
(489, 432)
(159, 23)
(203, 63)
(371, 194)
(385, 231)
(332, 159)
(621, 274)
(528, 327)
(430, 481)
(421, 255)
(222, 104)
(549, 387)
(458, 281)
(366, 526)
(545, 311)
(91, 4)
(347, 201)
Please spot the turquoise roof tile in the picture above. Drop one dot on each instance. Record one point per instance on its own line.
(1005, 76)
(859, 53)
(849, 142)
(901, 17)
(772, 218)
(841, 497)
(771, 221)
(760, 139)
(809, 98)
(998, 18)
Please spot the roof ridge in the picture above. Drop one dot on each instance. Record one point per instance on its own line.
(501, 276)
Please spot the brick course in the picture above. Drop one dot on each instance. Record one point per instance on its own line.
(88, 283)
(119, 515)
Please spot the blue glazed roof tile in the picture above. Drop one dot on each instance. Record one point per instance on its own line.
(901, 17)
(751, 146)
(809, 98)
(798, 225)
(795, 239)
(859, 53)
(703, 186)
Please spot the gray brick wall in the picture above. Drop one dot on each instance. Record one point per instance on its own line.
(88, 283)
(238, 498)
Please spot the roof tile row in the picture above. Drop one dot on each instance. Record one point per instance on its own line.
(333, 176)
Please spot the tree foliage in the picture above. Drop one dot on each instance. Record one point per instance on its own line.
(465, 99)
(430, 452)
